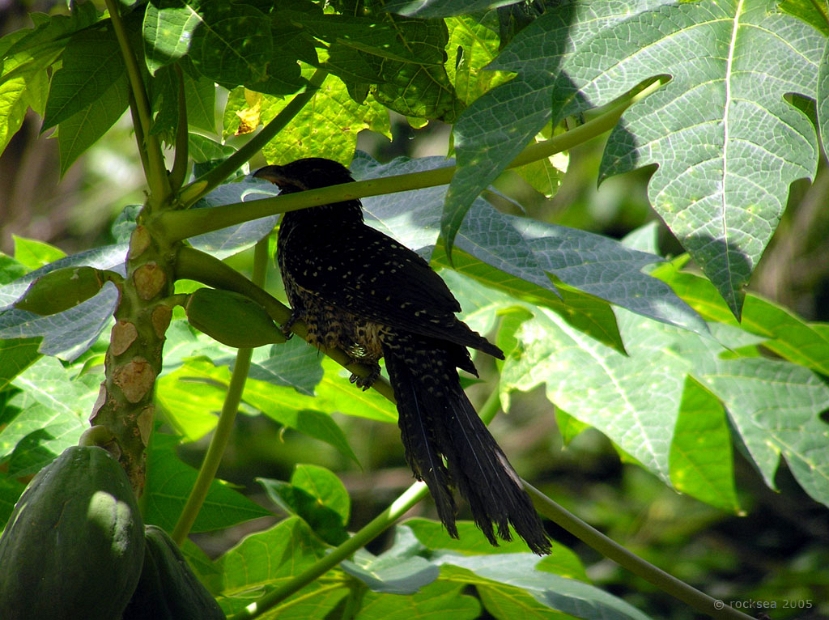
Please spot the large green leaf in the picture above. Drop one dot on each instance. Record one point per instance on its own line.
(776, 407)
(92, 65)
(400, 58)
(726, 141)
(636, 399)
(169, 482)
(266, 559)
(27, 56)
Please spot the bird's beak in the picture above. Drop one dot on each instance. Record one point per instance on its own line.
(273, 174)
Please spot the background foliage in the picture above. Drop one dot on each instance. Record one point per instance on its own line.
(638, 366)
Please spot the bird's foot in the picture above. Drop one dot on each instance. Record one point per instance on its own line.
(365, 382)
(287, 327)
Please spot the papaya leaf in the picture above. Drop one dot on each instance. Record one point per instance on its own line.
(92, 64)
(636, 400)
(169, 484)
(265, 559)
(730, 65)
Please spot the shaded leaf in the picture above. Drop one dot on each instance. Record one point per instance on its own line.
(700, 458)
(66, 334)
(401, 58)
(92, 64)
(443, 8)
(318, 496)
(169, 483)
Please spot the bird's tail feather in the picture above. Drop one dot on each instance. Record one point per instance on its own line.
(418, 432)
(448, 445)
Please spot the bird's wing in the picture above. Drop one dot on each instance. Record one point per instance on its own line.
(371, 275)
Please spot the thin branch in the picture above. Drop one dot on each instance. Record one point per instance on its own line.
(377, 526)
(614, 551)
(157, 172)
(224, 428)
(183, 224)
(198, 188)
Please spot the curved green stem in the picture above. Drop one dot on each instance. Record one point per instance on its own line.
(198, 188)
(612, 550)
(377, 526)
(224, 428)
(157, 172)
(183, 224)
(407, 500)
(139, 137)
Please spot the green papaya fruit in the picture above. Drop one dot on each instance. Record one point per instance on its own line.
(231, 318)
(74, 545)
(168, 589)
(60, 290)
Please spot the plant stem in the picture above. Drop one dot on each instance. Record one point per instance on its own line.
(612, 550)
(157, 172)
(407, 500)
(201, 186)
(377, 526)
(183, 224)
(224, 428)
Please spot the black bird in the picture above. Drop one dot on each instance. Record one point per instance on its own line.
(358, 289)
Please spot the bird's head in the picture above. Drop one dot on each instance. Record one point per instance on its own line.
(304, 174)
